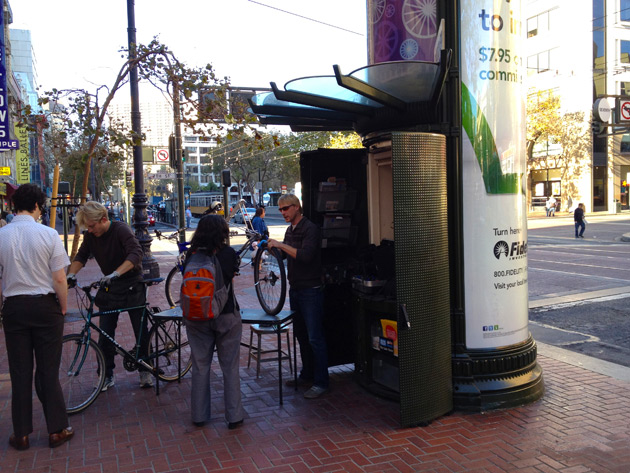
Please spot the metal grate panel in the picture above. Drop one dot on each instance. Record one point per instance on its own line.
(422, 275)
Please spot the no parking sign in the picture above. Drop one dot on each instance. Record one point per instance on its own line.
(624, 110)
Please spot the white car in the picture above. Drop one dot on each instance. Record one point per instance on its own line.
(238, 218)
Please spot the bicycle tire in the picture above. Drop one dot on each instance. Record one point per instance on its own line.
(173, 286)
(270, 280)
(81, 372)
(165, 333)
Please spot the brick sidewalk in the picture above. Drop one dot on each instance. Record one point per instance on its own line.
(580, 425)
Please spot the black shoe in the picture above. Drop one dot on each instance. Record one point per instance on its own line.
(199, 424)
(581, 236)
(300, 382)
(234, 425)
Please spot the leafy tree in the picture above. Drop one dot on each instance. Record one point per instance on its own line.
(94, 137)
(565, 138)
(276, 160)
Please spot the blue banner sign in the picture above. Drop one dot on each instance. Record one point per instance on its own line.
(5, 142)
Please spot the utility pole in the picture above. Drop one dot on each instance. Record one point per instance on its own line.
(179, 171)
(150, 268)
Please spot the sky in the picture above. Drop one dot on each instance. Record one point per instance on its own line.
(77, 42)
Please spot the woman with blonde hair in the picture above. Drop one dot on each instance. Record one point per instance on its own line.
(579, 220)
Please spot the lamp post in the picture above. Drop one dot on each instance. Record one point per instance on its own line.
(150, 268)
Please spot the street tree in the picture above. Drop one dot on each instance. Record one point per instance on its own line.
(558, 139)
(85, 120)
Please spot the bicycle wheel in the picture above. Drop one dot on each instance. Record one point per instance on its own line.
(163, 336)
(173, 286)
(81, 373)
(270, 280)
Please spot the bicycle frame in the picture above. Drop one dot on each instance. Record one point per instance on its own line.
(137, 359)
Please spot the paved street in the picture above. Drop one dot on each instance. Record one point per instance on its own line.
(580, 288)
(580, 425)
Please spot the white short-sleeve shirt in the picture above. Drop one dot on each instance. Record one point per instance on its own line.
(29, 253)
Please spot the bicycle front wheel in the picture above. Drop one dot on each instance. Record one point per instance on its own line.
(163, 350)
(173, 286)
(270, 280)
(81, 373)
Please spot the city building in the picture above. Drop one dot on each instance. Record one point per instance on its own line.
(579, 51)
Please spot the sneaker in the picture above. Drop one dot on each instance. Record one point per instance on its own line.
(315, 392)
(300, 382)
(109, 382)
(146, 380)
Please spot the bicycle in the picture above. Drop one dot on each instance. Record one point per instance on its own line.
(270, 280)
(82, 369)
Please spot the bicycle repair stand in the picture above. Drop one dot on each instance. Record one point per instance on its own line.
(63, 191)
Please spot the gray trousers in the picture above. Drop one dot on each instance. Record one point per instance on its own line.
(224, 333)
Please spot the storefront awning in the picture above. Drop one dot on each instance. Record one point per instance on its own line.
(383, 96)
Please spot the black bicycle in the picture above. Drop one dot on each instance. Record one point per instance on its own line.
(82, 370)
(270, 278)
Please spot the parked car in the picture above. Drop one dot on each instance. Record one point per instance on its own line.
(238, 218)
(151, 219)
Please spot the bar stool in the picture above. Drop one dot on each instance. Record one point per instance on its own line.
(257, 353)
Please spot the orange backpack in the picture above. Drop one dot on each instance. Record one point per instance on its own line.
(203, 292)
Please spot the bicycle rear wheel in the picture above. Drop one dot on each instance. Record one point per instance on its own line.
(81, 373)
(163, 350)
(270, 280)
(173, 286)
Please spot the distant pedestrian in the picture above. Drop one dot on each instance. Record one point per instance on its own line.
(551, 206)
(580, 221)
(3, 216)
(9, 217)
(188, 217)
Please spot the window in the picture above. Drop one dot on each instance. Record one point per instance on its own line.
(542, 61)
(532, 26)
(624, 10)
(624, 146)
(542, 23)
(624, 52)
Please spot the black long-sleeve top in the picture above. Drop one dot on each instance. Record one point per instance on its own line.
(305, 270)
(578, 215)
(111, 249)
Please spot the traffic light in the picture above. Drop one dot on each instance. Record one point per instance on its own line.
(597, 127)
(184, 155)
(128, 178)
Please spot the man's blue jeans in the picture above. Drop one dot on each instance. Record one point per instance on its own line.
(308, 324)
(580, 225)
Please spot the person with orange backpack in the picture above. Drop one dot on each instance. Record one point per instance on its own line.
(212, 318)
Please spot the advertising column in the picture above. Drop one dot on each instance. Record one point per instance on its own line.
(494, 166)
(403, 30)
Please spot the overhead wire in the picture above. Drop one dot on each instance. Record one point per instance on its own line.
(306, 18)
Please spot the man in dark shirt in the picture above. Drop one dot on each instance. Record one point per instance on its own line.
(119, 255)
(302, 246)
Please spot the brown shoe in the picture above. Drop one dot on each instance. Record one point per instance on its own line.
(20, 443)
(61, 437)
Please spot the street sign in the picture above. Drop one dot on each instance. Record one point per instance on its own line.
(161, 175)
(162, 154)
(5, 171)
(624, 111)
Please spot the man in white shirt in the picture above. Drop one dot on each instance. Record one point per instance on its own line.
(33, 284)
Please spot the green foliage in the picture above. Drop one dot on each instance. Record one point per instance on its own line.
(276, 161)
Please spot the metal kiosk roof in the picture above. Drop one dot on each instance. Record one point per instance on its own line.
(382, 96)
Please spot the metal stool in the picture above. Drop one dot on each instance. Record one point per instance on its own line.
(258, 352)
